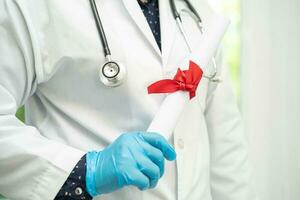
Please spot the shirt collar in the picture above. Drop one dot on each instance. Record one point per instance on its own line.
(145, 2)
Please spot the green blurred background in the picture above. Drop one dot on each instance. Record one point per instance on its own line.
(20, 114)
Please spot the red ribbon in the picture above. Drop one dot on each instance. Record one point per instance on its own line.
(186, 80)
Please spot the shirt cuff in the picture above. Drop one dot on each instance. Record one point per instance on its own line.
(74, 187)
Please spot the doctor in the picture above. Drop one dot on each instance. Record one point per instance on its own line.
(83, 139)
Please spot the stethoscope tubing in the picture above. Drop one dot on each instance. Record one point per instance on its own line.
(198, 19)
(190, 6)
(107, 51)
(100, 29)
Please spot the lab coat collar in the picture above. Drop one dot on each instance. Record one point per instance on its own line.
(168, 25)
(138, 17)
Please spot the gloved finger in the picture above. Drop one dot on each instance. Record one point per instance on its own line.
(148, 168)
(161, 143)
(155, 155)
(136, 178)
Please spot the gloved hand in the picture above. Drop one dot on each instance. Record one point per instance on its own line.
(135, 159)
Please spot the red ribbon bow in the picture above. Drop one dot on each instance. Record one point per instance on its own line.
(186, 80)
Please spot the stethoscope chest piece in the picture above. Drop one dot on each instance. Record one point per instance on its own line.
(112, 73)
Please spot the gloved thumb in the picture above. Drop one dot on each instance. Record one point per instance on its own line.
(159, 142)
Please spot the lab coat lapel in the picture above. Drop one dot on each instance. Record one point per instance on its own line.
(168, 25)
(138, 17)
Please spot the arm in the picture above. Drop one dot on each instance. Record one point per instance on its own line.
(31, 166)
(230, 170)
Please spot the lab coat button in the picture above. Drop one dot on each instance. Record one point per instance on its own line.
(180, 143)
(78, 191)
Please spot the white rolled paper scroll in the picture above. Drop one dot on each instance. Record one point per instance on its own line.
(173, 105)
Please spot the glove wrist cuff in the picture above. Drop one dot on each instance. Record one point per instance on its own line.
(91, 160)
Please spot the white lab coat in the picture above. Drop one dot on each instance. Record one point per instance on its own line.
(50, 55)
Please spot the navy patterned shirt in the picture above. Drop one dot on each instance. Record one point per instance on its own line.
(151, 12)
(75, 186)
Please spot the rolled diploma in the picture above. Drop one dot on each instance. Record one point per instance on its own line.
(173, 105)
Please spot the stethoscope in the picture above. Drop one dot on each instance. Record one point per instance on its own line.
(112, 73)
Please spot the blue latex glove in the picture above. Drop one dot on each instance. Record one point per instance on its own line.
(135, 159)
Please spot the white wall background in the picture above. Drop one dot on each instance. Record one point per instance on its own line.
(270, 94)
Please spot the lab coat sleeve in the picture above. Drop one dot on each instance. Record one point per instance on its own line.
(230, 168)
(32, 167)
